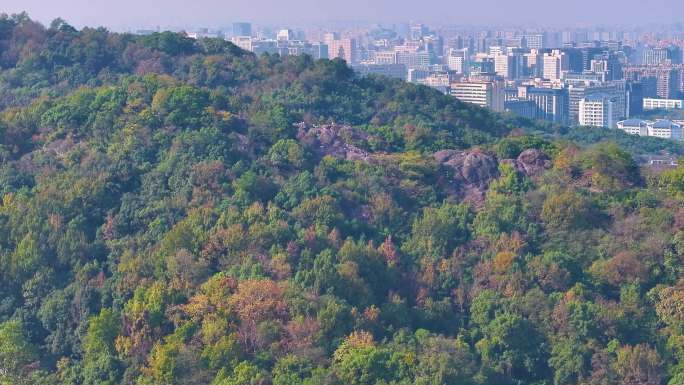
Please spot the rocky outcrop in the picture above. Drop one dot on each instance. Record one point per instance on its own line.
(532, 162)
(468, 172)
(334, 140)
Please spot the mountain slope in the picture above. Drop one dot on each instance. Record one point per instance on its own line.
(182, 212)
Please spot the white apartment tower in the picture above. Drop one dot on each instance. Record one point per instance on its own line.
(555, 63)
(457, 60)
(599, 110)
(484, 94)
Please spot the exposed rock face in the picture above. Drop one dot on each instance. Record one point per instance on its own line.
(532, 162)
(334, 140)
(470, 167)
(469, 172)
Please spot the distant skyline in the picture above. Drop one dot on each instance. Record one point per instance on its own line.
(123, 14)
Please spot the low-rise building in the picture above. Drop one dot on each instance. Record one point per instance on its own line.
(666, 129)
(634, 126)
(662, 128)
(663, 104)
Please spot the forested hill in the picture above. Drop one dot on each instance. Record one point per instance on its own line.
(182, 212)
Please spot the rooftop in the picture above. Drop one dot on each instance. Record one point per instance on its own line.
(664, 123)
(634, 122)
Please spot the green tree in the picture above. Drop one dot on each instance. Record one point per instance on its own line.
(100, 363)
(16, 353)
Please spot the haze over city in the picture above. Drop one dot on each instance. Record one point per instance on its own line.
(130, 14)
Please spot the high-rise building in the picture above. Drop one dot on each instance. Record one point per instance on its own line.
(457, 60)
(385, 57)
(434, 44)
(285, 35)
(582, 90)
(552, 39)
(242, 29)
(535, 41)
(635, 99)
(482, 66)
(509, 66)
(524, 108)
(341, 48)
(417, 31)
(319, 51)
(484, 94)
(653, 56)
(555, 63)
(496, 50)
(414, 59)
(502, 65)
(599, 110)
(668, 83)
(551, 103)
(534, 63)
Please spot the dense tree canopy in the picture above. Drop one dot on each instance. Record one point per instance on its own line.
(177, 211)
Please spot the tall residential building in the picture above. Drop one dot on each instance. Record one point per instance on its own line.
(242, 29)
(496, 50)
(599, 110)
(414, 59)
(535, 41)
(330, 37)
(551, 103)
(524, 108)
(457, 60)
(635, 99)
(510, 66)
(555, 63)
(482, 66)
(659, 81)
(484, 94)
(417, 31)
(534, 63)
(668, 83)
(653, 56)
(285, 35)
(341, 48)
(582, 90)
(385, 57)
(503, 64)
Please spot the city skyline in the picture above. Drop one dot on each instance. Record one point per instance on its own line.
(214, 13)
(579, 76)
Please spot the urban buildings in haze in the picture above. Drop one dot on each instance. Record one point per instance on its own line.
(580, 76)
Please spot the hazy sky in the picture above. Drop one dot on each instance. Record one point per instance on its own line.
(146, 13)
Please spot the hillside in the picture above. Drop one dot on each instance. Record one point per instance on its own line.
(182, 212)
